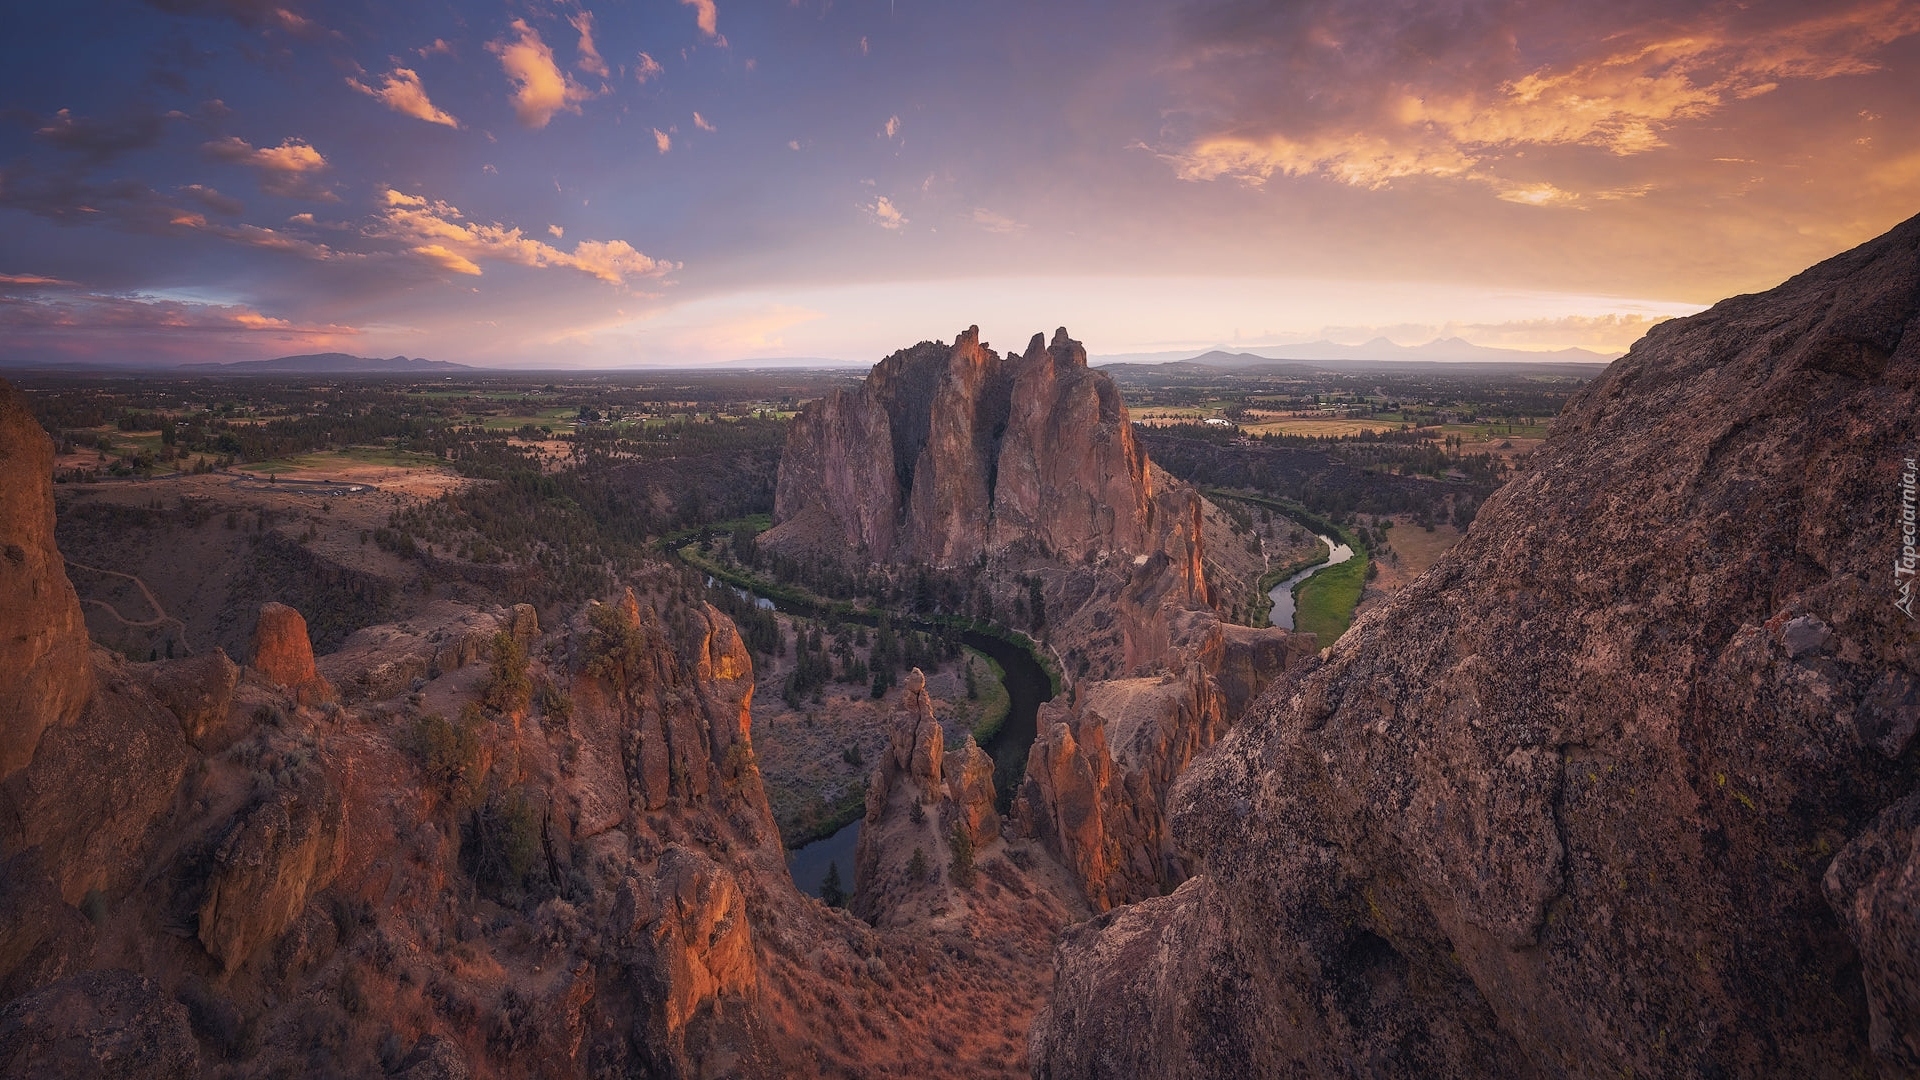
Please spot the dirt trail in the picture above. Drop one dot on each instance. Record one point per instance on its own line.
(161, 617)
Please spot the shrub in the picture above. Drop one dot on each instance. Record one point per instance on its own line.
(917, 866)
(508, 688)
(448, 755)
(500, 844)
(961, 842)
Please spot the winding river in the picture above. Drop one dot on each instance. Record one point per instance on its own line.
(1027, 686)
(1282, 594)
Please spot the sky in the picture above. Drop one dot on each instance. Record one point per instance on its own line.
(631, 183)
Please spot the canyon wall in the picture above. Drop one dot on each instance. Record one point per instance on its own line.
(44, 675)
(1023, 471)
(214, 870)
(947, 453)
(1623, 786)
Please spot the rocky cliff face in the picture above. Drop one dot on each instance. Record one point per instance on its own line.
(946, 453)
(917, 796)
(1571, 803)
(1104, 759)
(44, 674)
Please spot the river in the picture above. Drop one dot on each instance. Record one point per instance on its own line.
(1282, 594)
(1027, 686)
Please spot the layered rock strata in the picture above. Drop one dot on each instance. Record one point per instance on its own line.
(1570, 804)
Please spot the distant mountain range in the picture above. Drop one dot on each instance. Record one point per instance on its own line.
(332, 363)
(1451, 350)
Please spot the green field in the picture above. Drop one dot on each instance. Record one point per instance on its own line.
(336, 459)
(1323, 604)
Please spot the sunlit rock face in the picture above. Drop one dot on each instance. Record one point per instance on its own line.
(44, 673)
(1570, 804)
(948, 452)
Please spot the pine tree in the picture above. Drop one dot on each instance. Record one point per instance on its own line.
(832, 893)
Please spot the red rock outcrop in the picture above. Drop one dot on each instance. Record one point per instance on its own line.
(198, 690)
(946, 453)
(276, 855)
(1103, 761)
(44, 673)
(1070, 480)
(1569, 804)
(916, 797)
(283, 653)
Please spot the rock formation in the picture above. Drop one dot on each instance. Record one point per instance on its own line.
(44, 673)
(1570, 804)
(283, 653)
(199, 691)
(948, 453)
(274, 857)
(1102, 762)
(916, 797)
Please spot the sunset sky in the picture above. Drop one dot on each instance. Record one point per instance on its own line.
(688, 181)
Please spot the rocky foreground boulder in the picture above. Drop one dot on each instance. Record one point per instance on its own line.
(1622, 787)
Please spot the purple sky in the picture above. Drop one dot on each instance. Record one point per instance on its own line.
(682, 181)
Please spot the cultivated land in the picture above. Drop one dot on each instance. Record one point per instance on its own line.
(185, 503)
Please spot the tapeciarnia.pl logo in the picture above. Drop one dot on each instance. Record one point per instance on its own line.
(1908, 561)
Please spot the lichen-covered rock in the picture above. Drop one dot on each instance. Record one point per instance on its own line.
(1874, 885)
(1564, 805)
(98, 787)
(44, 673)
(274, 857)
(283, 653)
(113, 1025)
(198, 690)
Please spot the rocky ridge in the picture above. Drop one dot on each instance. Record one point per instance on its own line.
(1623, 786)
(208, 870)
(1024, 472)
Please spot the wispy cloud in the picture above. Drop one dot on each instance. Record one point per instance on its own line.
(996, 223)
(590, 61)
(890, 129)
(646, 69)
(98, 140)
(403, 94)
(706, 16)
(662, 140)
(291, 169)
(437, 232)
(885, 214)
(540, 88)
(703, 123)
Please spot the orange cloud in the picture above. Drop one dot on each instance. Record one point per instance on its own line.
(403, 94)
(1621, 96)
(885, 214)
(540, 88)
(437, 232)
(647, 69)
(706, 15)
(290, 169)
(590, 60)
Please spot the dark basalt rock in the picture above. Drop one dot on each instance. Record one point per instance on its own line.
(1565, 806)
